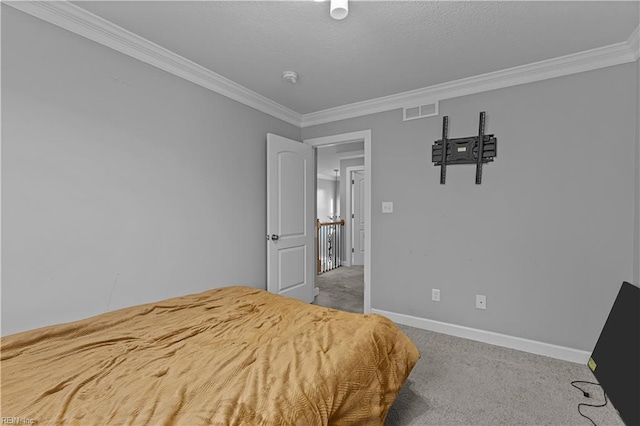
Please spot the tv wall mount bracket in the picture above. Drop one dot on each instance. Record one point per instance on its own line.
(476, 150)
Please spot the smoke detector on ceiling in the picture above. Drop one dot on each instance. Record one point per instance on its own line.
(290, 76)
(339, 9)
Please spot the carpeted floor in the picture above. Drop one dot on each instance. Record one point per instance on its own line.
(342, 288)
(464, 382)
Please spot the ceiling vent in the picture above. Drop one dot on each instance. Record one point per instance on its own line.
(420, 111)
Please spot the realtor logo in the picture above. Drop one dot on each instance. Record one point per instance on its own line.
(16, 421)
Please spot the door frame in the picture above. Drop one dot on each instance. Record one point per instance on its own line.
(348, 212)
(365, 136)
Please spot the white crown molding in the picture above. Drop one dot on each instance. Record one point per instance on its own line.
(614, 54)
(512, 342)
(86, 24)
(79, 21)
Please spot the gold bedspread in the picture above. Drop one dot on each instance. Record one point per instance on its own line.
(229, 356)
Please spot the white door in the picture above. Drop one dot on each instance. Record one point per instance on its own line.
(358, 217)
(290, 218)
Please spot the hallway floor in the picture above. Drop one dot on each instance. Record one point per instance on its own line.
(342, 288)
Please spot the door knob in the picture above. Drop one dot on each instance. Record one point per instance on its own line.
(274, 237)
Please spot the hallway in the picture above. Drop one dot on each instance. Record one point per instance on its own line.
(342, 288)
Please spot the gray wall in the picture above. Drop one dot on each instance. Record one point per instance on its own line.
(121, 184)
(326, 194)
(546, 237)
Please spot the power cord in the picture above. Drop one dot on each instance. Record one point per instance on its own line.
(588, 395)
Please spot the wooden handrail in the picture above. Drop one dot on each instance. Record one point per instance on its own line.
(341, 222)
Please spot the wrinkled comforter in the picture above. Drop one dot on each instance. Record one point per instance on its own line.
(229, 356)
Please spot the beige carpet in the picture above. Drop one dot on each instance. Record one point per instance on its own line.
(463, 382)
(342, 288)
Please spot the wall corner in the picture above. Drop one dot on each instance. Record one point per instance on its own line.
(636, 215)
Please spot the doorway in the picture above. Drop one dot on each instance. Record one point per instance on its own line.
(349, 274)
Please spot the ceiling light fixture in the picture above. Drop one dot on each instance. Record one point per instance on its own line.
(339, 9)
(290, 76)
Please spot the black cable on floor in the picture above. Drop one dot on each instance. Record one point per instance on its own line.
(586, 394)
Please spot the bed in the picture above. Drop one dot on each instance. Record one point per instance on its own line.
(228, 356)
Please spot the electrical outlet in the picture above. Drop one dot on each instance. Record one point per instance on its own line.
(481, 301)
(435, 294)
(387, 207)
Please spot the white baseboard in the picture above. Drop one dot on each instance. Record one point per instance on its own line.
(518, 343)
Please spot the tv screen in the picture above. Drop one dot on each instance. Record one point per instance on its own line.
(615, 361)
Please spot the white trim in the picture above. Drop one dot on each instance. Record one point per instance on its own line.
(341, 138)
(363, 135)
(614, 54)
(79, 21)
(512, 342)
(348, 222)
(326, 177)
(350, 154)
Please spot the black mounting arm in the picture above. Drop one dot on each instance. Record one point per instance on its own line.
(470, 150)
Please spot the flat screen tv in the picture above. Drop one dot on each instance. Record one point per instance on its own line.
(615, 361)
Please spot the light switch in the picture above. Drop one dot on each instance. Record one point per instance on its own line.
(387, 207)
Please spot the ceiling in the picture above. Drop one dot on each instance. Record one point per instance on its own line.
(329, 158)
(382, 48)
